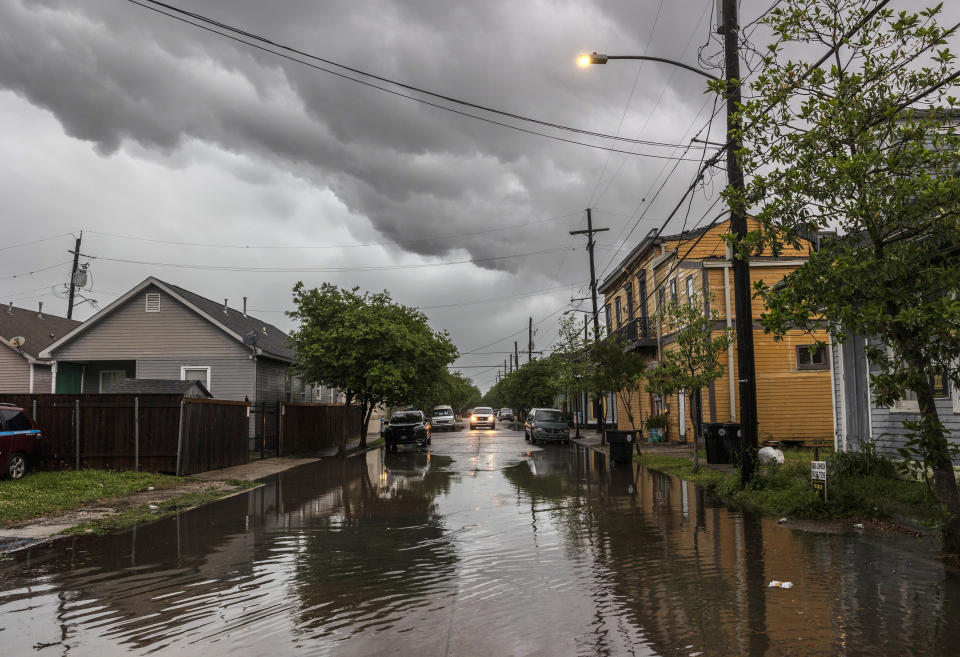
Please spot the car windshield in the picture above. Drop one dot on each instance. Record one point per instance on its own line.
(442, 412)
(483, 411)
(405, 418)
(548, 416)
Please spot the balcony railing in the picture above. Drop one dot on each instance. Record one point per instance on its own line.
(638, 332)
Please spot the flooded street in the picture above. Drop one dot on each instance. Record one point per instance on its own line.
(484, 545)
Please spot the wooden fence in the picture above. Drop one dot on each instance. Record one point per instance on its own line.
(312, 428)
(157, 433)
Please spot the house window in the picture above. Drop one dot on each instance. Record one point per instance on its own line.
(153, 302)
(810, 357)
(661, 301)
(199, 373)
(690, 290)
(619, 316)
(938, 381)
(109, 377)
(642, 292)
(629, 302)
(673, 289)
(606, 311)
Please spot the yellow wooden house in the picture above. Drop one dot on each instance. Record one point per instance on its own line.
(794, 391)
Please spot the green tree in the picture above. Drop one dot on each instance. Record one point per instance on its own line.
(450, 388)
(374, 350)
(616, 369)
(866, 143)
(534, 384)
(693, 360)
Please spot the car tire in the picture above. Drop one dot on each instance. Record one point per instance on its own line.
(473, 427)
(17, 466)
(493, 427)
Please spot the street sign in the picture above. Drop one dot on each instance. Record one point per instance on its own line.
(818, 478)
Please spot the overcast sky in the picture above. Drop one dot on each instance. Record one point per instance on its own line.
(133, 127)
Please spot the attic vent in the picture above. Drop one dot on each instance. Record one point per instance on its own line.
(153, 302)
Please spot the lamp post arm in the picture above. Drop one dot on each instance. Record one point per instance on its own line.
(666, 61)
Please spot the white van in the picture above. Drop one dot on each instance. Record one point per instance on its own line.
(441, 419)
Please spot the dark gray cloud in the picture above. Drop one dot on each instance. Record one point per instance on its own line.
(129, 122)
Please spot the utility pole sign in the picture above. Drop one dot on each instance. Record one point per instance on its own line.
(818, 478)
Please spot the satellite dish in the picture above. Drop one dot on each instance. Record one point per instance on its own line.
(18, 341)
(250, 339)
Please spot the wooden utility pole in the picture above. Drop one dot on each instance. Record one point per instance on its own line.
(505, 370)
(73, 276)
(516, 355)
(589, 232)
(741, 263)
(530, 340)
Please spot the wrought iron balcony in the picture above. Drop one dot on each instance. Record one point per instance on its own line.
(638, 332)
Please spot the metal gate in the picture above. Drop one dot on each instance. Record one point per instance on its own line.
(265, 417)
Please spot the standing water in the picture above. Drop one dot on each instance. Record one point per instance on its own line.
(481, 546)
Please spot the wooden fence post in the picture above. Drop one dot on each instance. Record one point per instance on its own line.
(280, 411)
(76, 422)
(136, 433)
(180, 438)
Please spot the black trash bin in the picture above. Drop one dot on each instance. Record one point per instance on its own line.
(716, 449)
(621, 445)
(730, 435)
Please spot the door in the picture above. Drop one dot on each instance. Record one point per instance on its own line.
(69, 378)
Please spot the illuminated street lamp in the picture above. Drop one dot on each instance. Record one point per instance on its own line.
(597, 58)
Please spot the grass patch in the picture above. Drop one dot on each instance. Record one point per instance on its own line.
(859, 486)
(40, 493)
(139, 514)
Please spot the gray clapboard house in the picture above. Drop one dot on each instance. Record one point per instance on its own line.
(23, 335)
(858, 418)
(161, 331)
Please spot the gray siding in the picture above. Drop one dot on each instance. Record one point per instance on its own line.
(862, 417)
(42, 379)
(132, 333)
(271, 380)
(91, 373)
(14, 372)
(230, 378)
(837, 382)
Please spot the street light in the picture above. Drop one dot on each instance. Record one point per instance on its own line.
(597, 58)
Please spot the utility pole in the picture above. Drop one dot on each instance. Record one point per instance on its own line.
(505, 370)
(589, 232)
(530, 340)
(73, 275)
(516, 355)
(741, 264)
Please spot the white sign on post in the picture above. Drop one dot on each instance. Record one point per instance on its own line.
(818, 477)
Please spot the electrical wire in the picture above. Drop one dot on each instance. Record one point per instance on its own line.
(44, 239)
(35, 271)
(332, 246)
(402, 85)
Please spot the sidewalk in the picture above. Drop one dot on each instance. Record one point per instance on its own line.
(679, 450)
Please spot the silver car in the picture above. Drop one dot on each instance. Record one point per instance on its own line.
(546, 424)
(442, 419)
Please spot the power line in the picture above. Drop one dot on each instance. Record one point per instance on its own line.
(399, 84)
(35, 271)
(331, 246)
(44, 239)
(321, 270)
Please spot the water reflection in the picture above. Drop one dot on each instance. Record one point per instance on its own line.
(551, 553)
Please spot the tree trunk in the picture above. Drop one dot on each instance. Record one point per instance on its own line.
(342, 448)
(365, 424)
(695, 421)
(937, 453)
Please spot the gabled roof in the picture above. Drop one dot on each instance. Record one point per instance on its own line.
(270, 341)
(159, 386)
(39, 329)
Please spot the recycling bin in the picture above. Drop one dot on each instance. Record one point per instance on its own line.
(621, 445)
(716, 449)
(730, 435)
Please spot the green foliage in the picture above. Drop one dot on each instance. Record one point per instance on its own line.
(40, 493)
(661, 421)
(618, 370)
(864, 463)
(450, 388)
(533, 385)
(867, 145)
(374, 350)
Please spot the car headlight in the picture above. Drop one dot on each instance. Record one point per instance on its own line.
(538, 429)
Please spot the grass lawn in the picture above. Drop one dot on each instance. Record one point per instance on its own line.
(858, 486)
(40, 493)
(130, 517)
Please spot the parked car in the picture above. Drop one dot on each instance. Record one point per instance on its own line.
(441, 418)
(546, 424)
(482, 416)
(505, 414)
(20, 441)
(407, 428)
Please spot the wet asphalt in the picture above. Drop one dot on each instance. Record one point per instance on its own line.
(481, 544)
